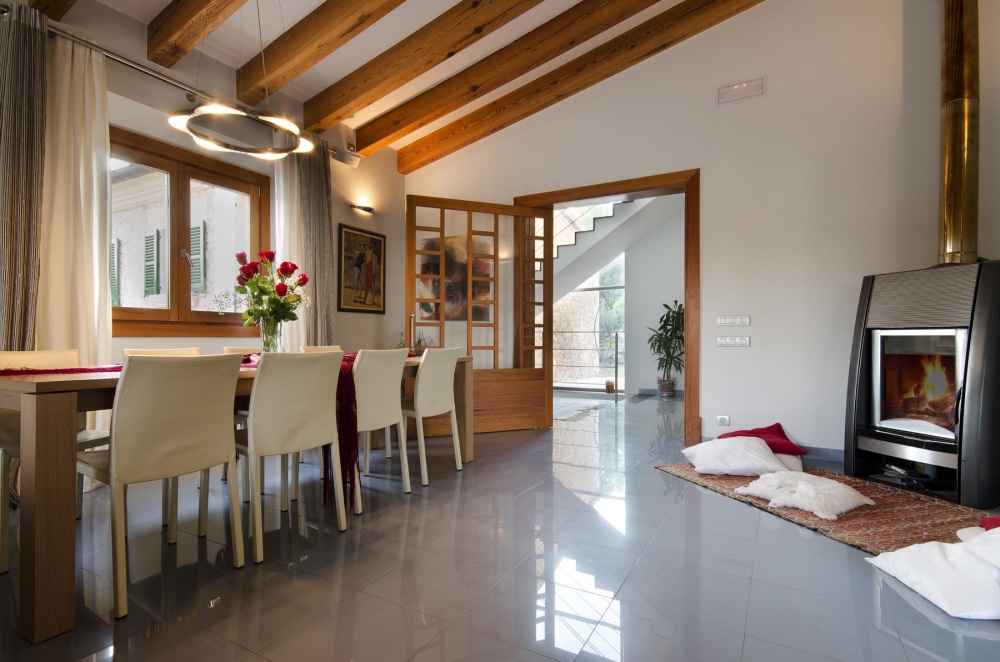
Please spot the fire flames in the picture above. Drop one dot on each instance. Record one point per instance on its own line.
(933, 393)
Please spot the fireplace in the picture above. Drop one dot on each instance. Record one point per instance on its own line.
(917, 378)
(925, 383)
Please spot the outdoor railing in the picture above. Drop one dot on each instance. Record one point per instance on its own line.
(589, 360)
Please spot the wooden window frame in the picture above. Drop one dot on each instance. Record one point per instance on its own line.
(178, 320)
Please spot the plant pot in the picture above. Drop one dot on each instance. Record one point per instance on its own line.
(665, 387)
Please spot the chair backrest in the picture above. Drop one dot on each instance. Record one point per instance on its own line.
(293, 405)
(377, 376)
(434, 390)
(316, 349)
(241, 350)
(173, 415)
(173, 351)
(43, 358)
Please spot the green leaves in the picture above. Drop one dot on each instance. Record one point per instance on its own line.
(667, 340)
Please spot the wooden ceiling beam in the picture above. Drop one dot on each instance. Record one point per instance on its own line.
(182, 25)
(461, 26)
(576, 25)
(671, 27)
(324, 30)
(54, 9)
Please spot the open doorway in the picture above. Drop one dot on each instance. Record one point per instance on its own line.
(686, 183)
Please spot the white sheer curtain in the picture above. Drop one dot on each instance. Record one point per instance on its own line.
(74, 307)
(289, 236)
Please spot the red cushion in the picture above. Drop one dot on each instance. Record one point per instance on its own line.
(990, 522)
(774, 436)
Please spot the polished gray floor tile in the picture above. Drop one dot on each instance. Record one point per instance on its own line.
(362, 628)
(543, 617)
(186, 641)
(847, 577)
(702, 551)
(685, 591)
(779, 532)
(828, 627)
(635, 632)
(490, 543)
(437, 584)
(611, 529)
(271, 604)
(579, 565)
(756, 650)
(456, 644)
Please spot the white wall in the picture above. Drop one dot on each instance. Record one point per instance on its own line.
(654, 275)
(832, 176)
(375, 183)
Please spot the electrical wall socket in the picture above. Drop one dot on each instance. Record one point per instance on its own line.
(722, 420)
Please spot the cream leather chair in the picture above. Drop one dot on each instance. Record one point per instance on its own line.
(172, 416)
(170, 486)
(433, 394)
(377, 375)
(10, 431)
(291, 411)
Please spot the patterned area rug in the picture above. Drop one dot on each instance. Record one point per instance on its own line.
(898, 519)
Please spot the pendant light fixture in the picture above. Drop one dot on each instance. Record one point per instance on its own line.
(296, 143)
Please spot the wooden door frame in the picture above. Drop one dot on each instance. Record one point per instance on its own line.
(687, 182)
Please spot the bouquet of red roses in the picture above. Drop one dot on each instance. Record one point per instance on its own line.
(271, 292)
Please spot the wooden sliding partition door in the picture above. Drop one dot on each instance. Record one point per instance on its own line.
(479, 277)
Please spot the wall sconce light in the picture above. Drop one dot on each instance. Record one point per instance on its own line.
(367, 210)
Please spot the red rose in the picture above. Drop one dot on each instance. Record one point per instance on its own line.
(281, 289)
(247, 271)
(241, 258)
(286, 269)
(295, 267)
(303, 279)
(240, 280)
(266, 256)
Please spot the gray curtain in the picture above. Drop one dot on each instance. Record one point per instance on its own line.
(22, 153)
(321, 244)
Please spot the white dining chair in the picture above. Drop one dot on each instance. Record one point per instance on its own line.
(10, 431)
(377, 376)
(291, 410)
(296, 458)
(170, 486)
(433, 394)
(171, 416)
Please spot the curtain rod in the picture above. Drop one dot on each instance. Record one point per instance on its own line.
(121, 59)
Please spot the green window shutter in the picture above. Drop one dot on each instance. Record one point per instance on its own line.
(198, 275)
(152, 264)
(113, 260)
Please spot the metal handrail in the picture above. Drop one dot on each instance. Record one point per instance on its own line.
(617, 353)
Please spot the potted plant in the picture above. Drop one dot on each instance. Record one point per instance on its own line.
(667, 345)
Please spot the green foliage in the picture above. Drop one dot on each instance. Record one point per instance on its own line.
(667, 340)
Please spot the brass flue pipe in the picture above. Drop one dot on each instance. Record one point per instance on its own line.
(959, 228)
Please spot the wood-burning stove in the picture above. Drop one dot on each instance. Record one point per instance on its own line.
(923, 402)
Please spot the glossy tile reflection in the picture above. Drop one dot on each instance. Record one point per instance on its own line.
(561, 544)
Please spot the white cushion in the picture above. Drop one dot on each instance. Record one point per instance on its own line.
(734, 456)
(970, 532)
(791, 462)
(823, 497)
(959, 578)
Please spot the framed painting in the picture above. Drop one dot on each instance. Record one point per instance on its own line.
(361, 288)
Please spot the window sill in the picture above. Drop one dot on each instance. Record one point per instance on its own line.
(133, 328)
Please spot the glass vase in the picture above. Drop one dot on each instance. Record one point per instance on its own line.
(270, 334)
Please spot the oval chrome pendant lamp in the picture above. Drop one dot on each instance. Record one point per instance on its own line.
(181, 120)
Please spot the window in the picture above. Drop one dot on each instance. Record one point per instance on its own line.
(177, 220)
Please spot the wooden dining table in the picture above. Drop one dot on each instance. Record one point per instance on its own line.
(48, 404)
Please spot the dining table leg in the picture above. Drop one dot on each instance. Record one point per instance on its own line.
(48, 524)
(463, 408)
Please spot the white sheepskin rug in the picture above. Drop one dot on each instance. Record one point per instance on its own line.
(820, 496)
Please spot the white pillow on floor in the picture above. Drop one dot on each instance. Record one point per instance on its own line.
(823, 497)
(791, 462)
(959, 578)
(733, 456)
